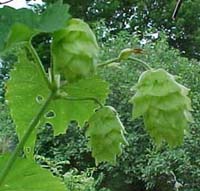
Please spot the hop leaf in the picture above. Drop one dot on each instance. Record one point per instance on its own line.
(164, 105)
(28, 176)
(67, 110)
(106, 134)
(27, 90)
(75, 51)
(28, 87)
(20, 25)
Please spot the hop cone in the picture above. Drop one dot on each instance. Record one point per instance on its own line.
(106, 134)
(74, 51)
(164, 105)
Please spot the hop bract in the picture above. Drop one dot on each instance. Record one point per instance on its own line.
(164, 105)
(106, 134)
(74, 51)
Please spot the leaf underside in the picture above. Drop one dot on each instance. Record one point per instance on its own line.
(28, 176)
(27, 89)
(26, 92)
(67, 110)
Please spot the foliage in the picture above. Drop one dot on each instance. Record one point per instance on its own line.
(8, 138)
(73, 178)
(17, 28)
(142, 161)
(141, 166)
(62, 92)
(31, 98)
(145, 18)
(5, 65)
(28, 171)
(78, 182)
(47, 97)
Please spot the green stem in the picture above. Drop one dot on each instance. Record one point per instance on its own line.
(52, 73)
(21, 144)
(81, 99)
(144, 64)
(109, 62)
(39, 63)
(106, 63)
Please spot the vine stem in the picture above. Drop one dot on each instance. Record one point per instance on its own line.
(144, 64)
(27, 134)
(109, 62)
(106, 63)
(52, 74)
(39, 63)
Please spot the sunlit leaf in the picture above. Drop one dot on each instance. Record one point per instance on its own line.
(26, 91)
(28, 176)
(79, 110)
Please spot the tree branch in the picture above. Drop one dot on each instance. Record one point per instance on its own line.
(178, 5)
(3, 3)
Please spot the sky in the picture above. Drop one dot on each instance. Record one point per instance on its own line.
(19, 3)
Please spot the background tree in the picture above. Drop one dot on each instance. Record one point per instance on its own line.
(145, 17)
(146, 168)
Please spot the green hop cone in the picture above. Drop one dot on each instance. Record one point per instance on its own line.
(75, 51)
(164, 105)
(106, 135)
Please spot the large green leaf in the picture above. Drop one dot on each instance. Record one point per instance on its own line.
(26, 175)
(54, 18)
(79, 110)
(106, 134)
(19, 33)
(164, 105)
(30, 23)
(27, 90)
